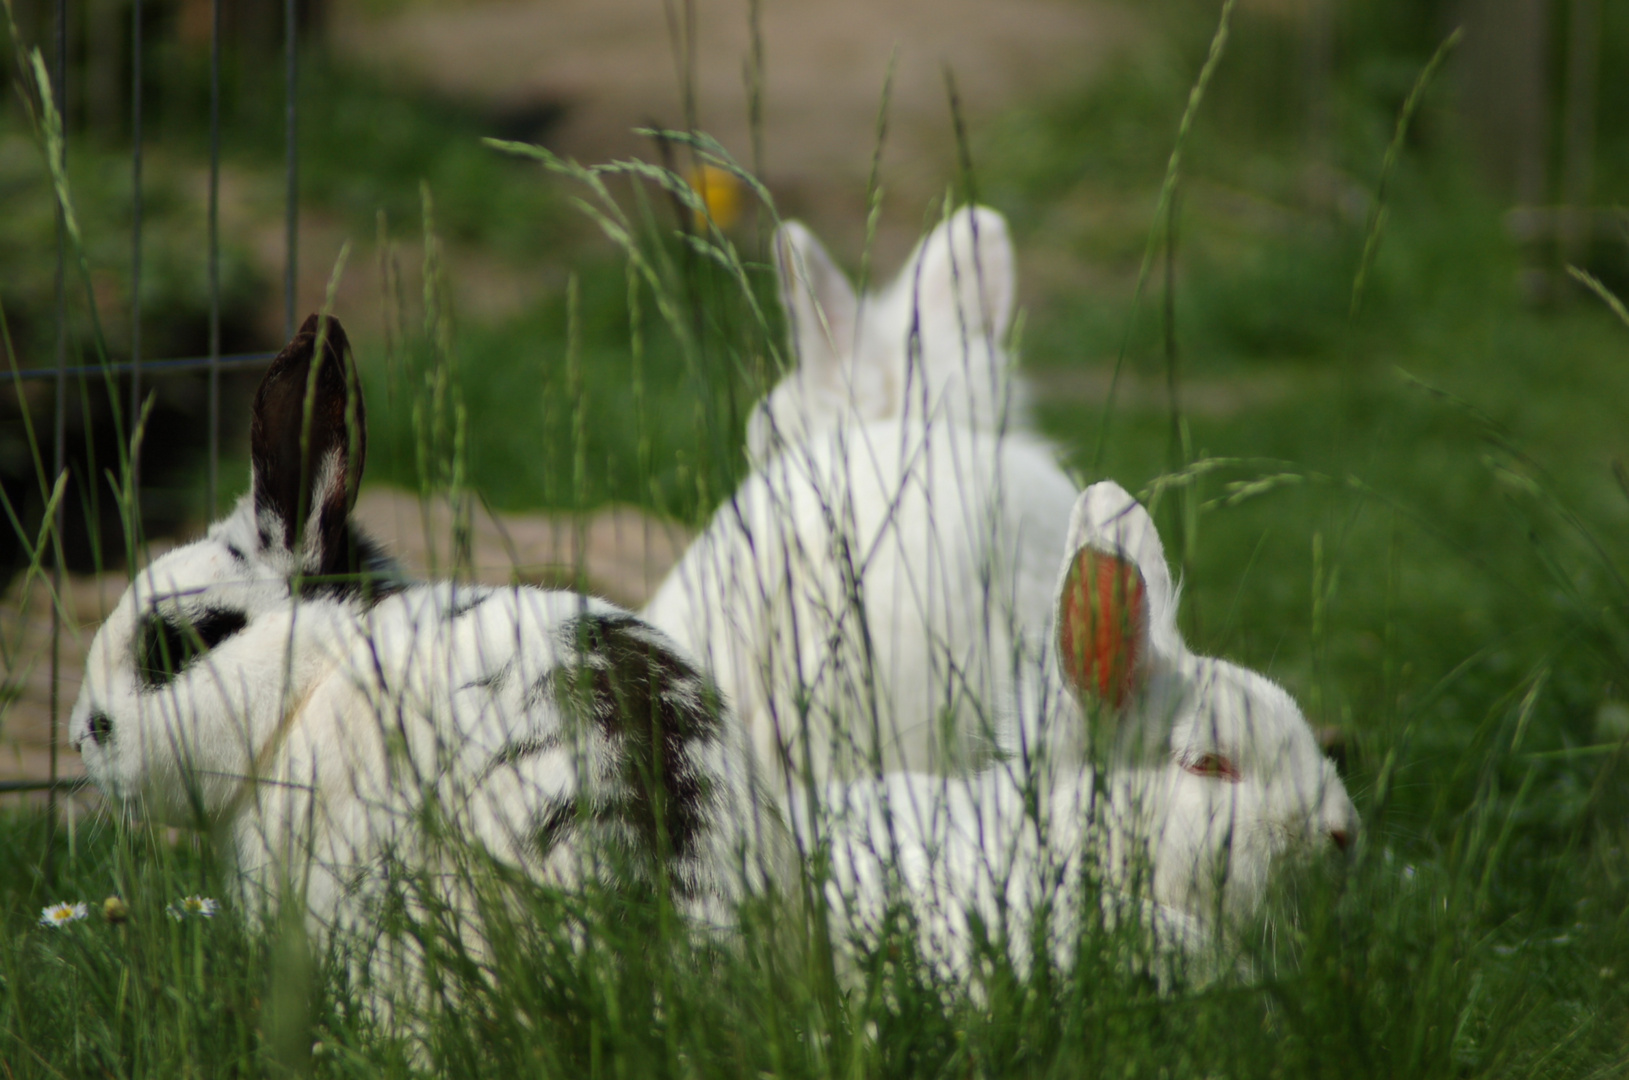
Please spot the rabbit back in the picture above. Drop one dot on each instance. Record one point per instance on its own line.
(557, 732)
(879, 598)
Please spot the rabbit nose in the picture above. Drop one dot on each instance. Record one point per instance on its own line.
(101, 729)
(1340, 838)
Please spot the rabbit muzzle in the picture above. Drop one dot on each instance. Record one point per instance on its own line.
(1217, 847)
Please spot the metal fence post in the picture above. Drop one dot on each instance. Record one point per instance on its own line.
(214, 256)
(290, 163)
(58, 437)
(135, 267)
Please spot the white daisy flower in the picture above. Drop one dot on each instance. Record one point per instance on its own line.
(187, 907)
(61, 914)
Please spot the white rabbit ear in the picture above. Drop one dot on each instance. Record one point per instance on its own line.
(965, 274)
(307, 442)
(1116, 606)
(819, 301)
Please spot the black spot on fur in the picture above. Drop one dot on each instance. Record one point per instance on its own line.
(554, 826)
(101, 727)
(540, 691)
(364, 571)
(465, 601)
(493, 681)
(654, 708)
(167, 646)
(519, 750)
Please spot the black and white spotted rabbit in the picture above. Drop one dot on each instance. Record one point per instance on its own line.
(280, 684)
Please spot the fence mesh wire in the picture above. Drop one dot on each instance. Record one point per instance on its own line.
(139, 367)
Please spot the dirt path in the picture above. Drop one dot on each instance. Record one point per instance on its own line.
(611, 63)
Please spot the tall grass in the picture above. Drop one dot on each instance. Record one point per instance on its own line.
(1436, 594)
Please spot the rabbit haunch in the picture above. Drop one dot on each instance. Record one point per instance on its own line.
(279, 684)
(1213, 781)
(928, 347)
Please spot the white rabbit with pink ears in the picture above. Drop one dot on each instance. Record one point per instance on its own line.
(881, 600)
(1211, 780)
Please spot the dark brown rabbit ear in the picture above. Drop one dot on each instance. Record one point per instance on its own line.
(307, 442)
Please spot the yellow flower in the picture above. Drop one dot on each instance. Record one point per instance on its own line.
(720, 192)
(114, 910)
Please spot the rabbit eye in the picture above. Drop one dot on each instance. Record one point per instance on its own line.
(168, 645)
(1214, 767)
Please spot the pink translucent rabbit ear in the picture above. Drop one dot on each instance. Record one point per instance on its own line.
(1108, 520)
(1103, 627)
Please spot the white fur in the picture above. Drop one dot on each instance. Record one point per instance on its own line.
(878, 597)
(1200, 849)
(313, 738)
(928, 347)
(881, 595)
(876, 594)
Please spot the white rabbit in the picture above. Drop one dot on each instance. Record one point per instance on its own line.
(928, 347)
(1212, 777)
(277, 683)
(875, 595)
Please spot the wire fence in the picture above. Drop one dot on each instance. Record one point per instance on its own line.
(139, 367)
